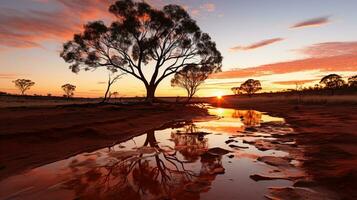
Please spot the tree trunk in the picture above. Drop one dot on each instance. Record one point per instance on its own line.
(150, 93)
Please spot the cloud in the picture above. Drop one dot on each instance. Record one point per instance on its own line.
(328, 49)
(312, 22)
(9, 76)
(209, 7)
(28, 28)
(325, 64)
(256, 45)
(101, 82)
(294, 82)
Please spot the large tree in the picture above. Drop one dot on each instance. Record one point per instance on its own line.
(147, 43)
(332, 81)
(189, 78)
(251, 86)
(23, 85)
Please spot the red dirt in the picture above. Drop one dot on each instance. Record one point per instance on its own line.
(326, 132)
(32, 137)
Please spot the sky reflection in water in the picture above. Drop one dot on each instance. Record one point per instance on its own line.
(162, 164)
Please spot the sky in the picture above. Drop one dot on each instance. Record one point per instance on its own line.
(279, 42)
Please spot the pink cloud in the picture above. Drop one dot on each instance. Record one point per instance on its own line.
(256, 45)
(330, 49)
(312, 22)
(28, 28)
(325, 64)
(209, 7)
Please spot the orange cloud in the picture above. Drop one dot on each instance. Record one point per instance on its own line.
(293, 82)
(8, 76)
(257, 44)
(28, 28)
(325, 64)
(312, 22)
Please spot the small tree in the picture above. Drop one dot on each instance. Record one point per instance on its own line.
(236, 90)
(189, 78)
(251, 86)
(111, 81)
(352, 81)
(23, 85)
(115, 94)
(69, 90)
(332, 82)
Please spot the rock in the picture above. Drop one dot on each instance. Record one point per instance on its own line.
(275, 161)
(218, 151)
(230, 141)
(251, 129)
(296, 193)
(237, 147)
(231, 156)
(258, 177)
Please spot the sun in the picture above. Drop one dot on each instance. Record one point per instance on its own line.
(219, 95)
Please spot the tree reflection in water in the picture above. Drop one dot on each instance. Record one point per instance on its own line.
(248, 117)
(152, 171)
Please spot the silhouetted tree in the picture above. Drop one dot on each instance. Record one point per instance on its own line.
(332, 82)
(143, 37)
(236, 90)
(352, 81)
(69, 90)
(189, 78)
(111, 81)
(115, 94)
(23, 85)
(251, 86)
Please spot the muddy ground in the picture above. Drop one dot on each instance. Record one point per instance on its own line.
(327, 134)
(34, 136)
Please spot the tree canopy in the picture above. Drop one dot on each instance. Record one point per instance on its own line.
(23, 85)
(332, 81)
(236, 90)
(68, 89)
(189, 78)
(352, 81)
(143, 39)
(251, 86)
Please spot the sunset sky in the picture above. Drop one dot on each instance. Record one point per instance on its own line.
(279, 42)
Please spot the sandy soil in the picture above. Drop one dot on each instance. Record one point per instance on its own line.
(327, 132)
(34, 136)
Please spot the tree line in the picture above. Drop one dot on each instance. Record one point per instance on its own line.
(331, 82)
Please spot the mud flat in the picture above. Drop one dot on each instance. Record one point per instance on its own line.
(326, 134)
(34, 136)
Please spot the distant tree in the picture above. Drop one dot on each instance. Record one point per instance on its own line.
(169, 39)
(189, 78)
(236, 90)
(352, 81)
(251, 86)
(111, 81)
(332, 82)
(23, 85)
(115, 94)
(69, 90)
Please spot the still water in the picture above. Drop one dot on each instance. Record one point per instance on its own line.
(210, 159)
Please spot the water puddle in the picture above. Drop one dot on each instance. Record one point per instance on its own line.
(231, 157)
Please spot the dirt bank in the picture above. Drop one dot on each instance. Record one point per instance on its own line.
(326, 132)
(34, 136)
